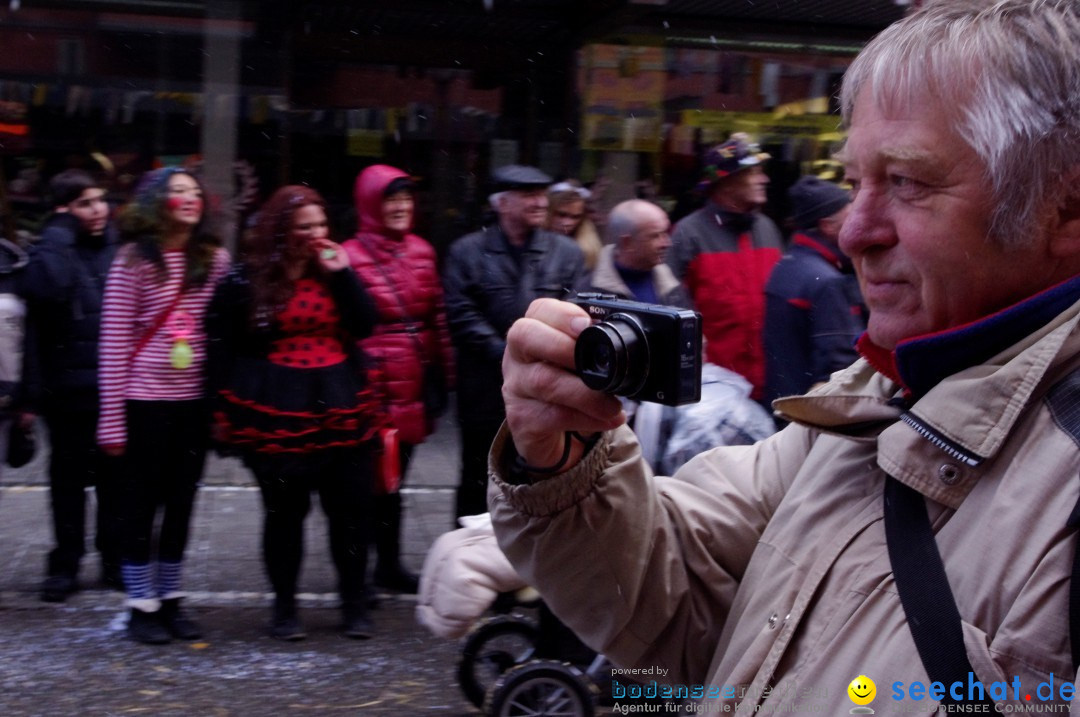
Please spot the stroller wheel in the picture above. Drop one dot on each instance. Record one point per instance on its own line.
(491, 649)
(542, 687)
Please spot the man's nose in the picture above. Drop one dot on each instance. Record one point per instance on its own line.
(867, 225)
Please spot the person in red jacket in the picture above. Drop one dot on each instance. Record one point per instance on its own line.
(410, 342)
(724, 253)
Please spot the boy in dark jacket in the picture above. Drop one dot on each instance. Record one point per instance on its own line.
(63, 286)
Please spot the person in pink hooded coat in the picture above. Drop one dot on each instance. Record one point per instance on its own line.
(399, 270)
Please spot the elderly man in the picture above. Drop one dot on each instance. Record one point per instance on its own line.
(813, 309)
(724, 252)
(631, 265)
(490, 278)
(912, 526)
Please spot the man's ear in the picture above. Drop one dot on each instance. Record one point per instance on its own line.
(1065, 227)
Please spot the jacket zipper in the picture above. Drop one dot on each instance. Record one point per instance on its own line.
(940, 441)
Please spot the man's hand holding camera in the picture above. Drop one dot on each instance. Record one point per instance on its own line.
(544, 397)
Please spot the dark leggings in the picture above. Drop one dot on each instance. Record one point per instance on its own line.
(166, 451)
(476, 439)
(74, 463)
(342, 476)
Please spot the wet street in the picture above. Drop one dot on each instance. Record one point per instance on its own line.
(74, 658)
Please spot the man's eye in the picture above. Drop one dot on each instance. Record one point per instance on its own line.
(907, 187)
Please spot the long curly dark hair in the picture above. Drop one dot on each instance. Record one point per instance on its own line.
(142, 224)
(267, 254)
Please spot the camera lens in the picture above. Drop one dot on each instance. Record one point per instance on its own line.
(612, 356)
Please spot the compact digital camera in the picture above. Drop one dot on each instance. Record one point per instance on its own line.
(645, 352)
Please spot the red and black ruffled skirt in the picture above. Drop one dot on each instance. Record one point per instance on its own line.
(270, 408)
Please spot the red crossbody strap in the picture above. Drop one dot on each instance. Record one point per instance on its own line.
(159, 320)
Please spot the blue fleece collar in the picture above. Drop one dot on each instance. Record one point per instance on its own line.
(920, 363)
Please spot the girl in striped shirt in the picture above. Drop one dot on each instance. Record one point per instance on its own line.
(151, 376)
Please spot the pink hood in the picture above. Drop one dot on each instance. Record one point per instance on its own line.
(368, 196)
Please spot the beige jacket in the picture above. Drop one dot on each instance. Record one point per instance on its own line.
(763, 569)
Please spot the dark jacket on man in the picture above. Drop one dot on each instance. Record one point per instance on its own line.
(813, 314)
(606, 278)
(489, 285)
(63, 286)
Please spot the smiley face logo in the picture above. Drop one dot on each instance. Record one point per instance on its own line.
(862, 691)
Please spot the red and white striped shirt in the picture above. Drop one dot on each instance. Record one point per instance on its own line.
(134, 299)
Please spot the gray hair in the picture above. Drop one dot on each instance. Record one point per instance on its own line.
(1008, 71)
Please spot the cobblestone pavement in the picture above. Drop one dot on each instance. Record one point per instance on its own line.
(73, 658)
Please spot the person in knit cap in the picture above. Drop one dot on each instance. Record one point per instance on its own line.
(813, 308)
(724, 252)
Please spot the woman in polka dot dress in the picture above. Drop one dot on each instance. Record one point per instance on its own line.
(290, 395)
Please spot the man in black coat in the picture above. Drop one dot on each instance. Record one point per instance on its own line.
(491, 278)
(63, 286)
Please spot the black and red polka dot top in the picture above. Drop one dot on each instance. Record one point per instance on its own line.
(310, 326)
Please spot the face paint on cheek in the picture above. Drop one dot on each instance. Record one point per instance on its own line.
(174, 203)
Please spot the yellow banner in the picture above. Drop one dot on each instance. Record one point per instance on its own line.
(624, 98)
(364, 142)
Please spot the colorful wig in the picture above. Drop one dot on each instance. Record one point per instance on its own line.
(142, 224)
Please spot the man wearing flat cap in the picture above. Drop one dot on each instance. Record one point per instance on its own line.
(724, 252)
(491, 278)
(813, 308)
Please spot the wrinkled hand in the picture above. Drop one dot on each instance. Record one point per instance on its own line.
(331, 256)
(544, 397)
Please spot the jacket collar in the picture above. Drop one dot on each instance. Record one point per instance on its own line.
(496, 242)
(606, 277)
(736, 221)
(973, 406)
(920, 363)
(811, 240)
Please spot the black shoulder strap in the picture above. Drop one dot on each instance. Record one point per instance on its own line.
(1064, 402)
(924, 589)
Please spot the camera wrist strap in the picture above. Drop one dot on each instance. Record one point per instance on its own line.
(568, 437)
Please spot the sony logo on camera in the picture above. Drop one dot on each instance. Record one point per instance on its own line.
(646, 352)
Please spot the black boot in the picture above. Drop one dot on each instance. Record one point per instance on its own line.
(146, 627)
(389, 573)
(60, 582)
(111, 576)
(57, 588)
(284, 624)
(176, 622)
(356, 623)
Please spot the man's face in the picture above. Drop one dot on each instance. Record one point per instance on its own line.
(91, 210)
(649, 244)
(524, 208)
(919, 224)
(743, 191)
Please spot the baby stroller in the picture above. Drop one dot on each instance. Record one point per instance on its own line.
(517, 664)
(521, 660)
